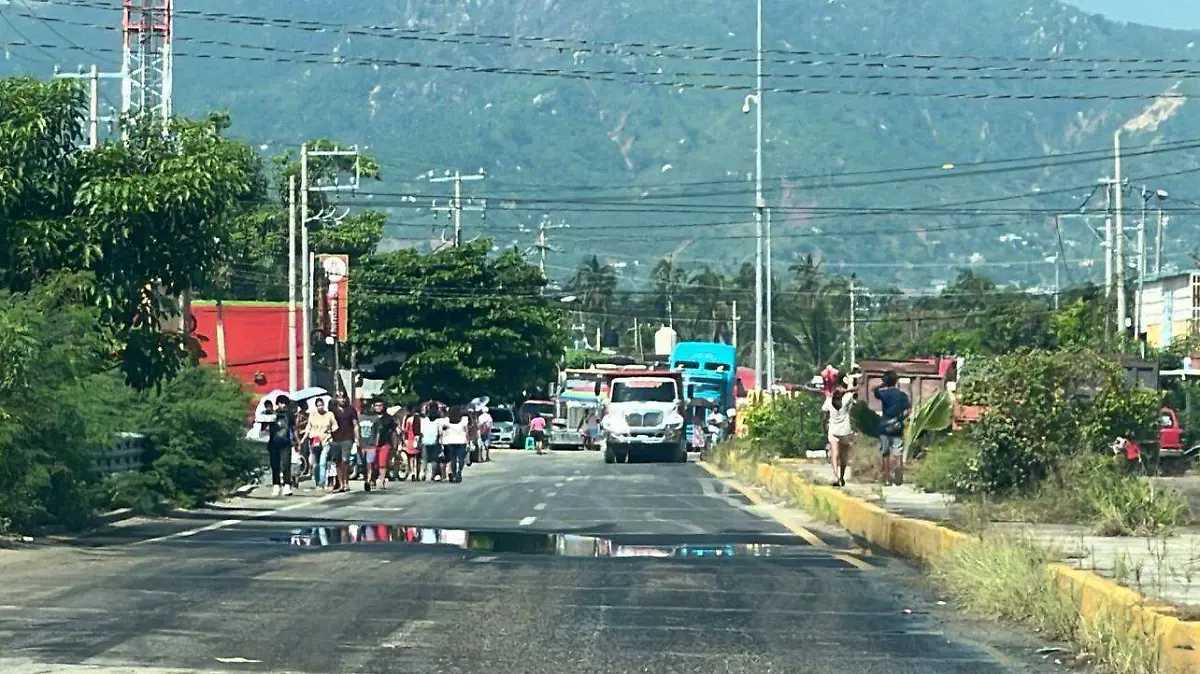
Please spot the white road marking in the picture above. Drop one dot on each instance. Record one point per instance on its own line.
(540, 506)
(528, 520)
(228, 523)
(560, 485)
(551, 494)
(237, 661)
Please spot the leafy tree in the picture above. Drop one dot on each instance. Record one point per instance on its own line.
(146, 218)
(456, 324)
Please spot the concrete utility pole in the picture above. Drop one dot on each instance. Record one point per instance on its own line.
(456, 206)
(734, 317)
(1122, 308)
(1158, 242)
(1108, 238)
(93, 76)
(306, 186)
(853, 325)
(759, 202)
(293, 373)
(770, 309)
(542, 245)
(1141, 263)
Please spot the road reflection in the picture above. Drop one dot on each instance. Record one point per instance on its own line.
(530, 543)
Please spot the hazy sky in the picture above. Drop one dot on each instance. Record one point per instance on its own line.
(1165, 13)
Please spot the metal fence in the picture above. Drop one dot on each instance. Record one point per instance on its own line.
(126, 454)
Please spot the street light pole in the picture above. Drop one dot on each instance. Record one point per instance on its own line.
(759, 203)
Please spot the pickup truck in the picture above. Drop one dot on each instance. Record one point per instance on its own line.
(643, 416)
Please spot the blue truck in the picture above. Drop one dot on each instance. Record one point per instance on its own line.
(709, 375)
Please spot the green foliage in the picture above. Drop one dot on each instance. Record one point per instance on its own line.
(865, 420)
(787, 426)
(146, 218)
(935, 415)
(467, 324)
(1042, 407)
(949, 466)
(196, 426)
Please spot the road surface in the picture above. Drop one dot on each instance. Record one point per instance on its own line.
(333, 585)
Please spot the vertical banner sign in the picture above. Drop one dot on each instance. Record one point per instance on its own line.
(336, 298)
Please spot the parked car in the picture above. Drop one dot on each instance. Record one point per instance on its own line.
(504, 426)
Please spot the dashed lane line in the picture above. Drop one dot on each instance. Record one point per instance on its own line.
(228, 523)
(540, 506)
(528, 520)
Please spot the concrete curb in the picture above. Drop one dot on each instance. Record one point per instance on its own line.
(1097, 597)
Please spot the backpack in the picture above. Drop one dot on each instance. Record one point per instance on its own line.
(278, 430)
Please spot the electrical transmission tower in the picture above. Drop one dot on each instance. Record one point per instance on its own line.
(147, 58)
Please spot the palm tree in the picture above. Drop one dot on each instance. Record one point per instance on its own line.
(595, 284)
(668, 278)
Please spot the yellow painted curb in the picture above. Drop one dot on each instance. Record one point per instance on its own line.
(924, 540)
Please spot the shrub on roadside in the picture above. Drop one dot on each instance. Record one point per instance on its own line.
(949, 467)
(787, 426)
(195, 426)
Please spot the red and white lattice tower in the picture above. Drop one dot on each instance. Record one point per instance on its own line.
(147, 62)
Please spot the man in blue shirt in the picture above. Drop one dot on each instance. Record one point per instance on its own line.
(894, 408)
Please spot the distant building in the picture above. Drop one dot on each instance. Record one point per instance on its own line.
(1170, 308)
(256, 337)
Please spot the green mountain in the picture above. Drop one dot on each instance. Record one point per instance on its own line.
(625, 119)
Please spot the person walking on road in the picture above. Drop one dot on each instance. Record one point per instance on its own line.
(412, 444)
(381, 442)
(345, 434)
(841, 433)
(484, 426)
(279, 446)
(894, 407)
(453, 434)
(321, 425)
(537, 430)
(429, 445)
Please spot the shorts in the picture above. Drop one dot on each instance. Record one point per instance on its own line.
(842, 441)
(538, 435)
(369, 456)
(432, 453)
(379, 456)
(891, 445)
(339, 451)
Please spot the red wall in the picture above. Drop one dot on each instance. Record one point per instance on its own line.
(255, 341)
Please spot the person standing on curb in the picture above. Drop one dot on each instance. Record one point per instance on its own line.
(894, 408)
(345, 433)
(484, 425)
(321, 425)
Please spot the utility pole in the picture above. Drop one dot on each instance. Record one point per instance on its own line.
(1108, 238)
(734, 317)
(292, 370)
(770, 309)
(1122, 308)
(456, 206)
(853, 325)
(542, 246)
(759, 202)
(93, 76)
(1141, 257)
(1057, 280)
(1158, 242)
(306, 255)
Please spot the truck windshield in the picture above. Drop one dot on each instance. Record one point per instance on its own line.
(654, 391)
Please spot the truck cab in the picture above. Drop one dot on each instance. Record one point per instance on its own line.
(643, 417)
(709, 372)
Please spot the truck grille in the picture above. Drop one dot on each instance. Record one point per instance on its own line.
(644, 420)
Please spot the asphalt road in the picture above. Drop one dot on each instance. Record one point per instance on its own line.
(334, 585)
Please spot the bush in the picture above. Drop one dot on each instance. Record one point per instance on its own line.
(787, 426)
(1044, 407)
(949, 466)
(196, 428)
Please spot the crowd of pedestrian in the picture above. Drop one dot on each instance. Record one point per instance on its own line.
(335, 445)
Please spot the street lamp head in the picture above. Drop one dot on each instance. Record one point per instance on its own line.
(1161, 194)
(746, 102)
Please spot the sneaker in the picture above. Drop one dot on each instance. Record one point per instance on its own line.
(366, 485)
(275, 491)
(287, 490)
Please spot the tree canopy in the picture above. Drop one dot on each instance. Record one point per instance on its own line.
(456, 323)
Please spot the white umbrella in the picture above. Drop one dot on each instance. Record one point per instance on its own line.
(478, 403)
(309, 393)
(255, 433)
